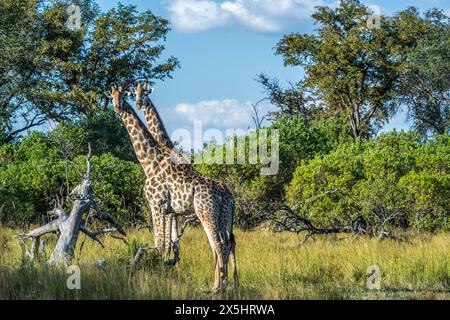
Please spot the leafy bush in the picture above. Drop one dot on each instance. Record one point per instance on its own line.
(118, 184)
(30, 177)
(394, 179)
(427, 188)
(32, 174)
(109, 133)
(299, 141)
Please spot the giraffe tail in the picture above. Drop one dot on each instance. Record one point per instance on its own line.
(233, 260)
(233, 251)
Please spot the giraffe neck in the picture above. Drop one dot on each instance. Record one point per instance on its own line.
(155, 124)
(147, 149)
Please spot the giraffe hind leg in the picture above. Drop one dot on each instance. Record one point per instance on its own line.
(227, 227)
(212, 232)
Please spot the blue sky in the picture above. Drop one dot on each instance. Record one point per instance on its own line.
(223, 45)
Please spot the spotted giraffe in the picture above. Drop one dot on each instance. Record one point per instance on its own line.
(173, 188)
(157, 129)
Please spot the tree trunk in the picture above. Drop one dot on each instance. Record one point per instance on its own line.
(69, 230)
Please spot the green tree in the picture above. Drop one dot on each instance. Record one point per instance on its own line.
(289, 102)
(48, 71)
(353, 69)
(425, 86)
(107, 133)
(33, 38)
(299, 141)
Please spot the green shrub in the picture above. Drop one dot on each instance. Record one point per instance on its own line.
(299, 141)
(427, 188)
(324, 186)
(395, 178)
(32, 175)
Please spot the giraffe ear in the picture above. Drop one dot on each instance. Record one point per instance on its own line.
(148, 92)
(120, 88)
(145, 86)
(108, 94)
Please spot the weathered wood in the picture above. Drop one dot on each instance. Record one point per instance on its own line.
(294, 223)
(69, 226)
(69, 230)
(139, 253)
(93, 234)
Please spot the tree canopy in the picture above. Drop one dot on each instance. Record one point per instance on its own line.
(353, 70)
(50, 71)
(425, 85)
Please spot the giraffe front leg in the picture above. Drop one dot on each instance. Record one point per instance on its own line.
(159, 207)
(154, 217)
(172, 234)
(167, 235)
(174, 230)
(157, 228)
(162, 230)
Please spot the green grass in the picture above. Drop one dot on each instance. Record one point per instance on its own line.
(271, 266)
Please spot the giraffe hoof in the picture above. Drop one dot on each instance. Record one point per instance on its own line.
(219, 290)
(216, 290)
(171, 262)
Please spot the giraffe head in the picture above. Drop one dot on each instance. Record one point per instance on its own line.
(142, 93)
(117, 96)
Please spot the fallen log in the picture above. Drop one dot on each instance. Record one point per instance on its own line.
(290, 221)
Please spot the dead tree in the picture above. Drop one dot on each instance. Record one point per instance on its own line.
(69, 225)
(381, 217)
(256, 117)
(290, 221)
(67, 147)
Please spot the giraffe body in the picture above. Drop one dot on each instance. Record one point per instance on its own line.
(156, 128)
(173, 188)
(159, 132)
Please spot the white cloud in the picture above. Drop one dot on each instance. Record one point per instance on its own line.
(197, 15)
(258, 15)
(192, 124)
(227, 113)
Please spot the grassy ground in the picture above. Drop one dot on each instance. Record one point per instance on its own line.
(271, 266)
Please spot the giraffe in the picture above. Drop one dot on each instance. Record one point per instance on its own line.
(173, 188)
(158, 131)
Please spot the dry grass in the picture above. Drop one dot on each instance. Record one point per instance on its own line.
(271, 266)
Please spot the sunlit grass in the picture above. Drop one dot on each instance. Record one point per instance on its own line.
(271, 266)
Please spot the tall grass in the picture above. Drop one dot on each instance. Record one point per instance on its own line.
(271, 266)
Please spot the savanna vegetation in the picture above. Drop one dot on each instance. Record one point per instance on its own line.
(327, 268)
(335, 165)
